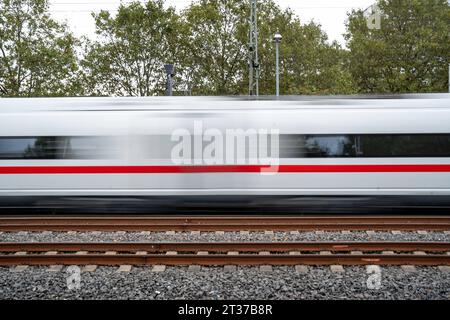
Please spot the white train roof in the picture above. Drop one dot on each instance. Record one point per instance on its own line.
(227, 103)
(162, 115)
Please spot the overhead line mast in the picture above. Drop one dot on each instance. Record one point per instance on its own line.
(253, 50)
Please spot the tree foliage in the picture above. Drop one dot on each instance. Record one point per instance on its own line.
(216, 54)
(37, 54)
(128, 59)
(309, 64)
(208, 42)
(409, 53)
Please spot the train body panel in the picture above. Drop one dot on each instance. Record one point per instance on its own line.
(111, 147)
(303, 183)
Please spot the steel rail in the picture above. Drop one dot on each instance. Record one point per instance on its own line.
(226, 246)
(217, 260)
(227, 218)
(226, 223)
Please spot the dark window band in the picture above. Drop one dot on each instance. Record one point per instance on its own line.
(365, 146)
(291, 146)
(48, 148)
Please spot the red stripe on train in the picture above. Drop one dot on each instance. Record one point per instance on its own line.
(346, 168)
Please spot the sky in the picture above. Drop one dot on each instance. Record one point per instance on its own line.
(331, 14)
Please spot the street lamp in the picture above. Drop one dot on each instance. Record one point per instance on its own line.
(277, 39)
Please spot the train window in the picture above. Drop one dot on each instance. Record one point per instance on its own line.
(405, 145)
(15, 148)
(58, 148)
(365, 145)
(31, 148)
(316, 146)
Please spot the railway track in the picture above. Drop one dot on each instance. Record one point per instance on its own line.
(214, 254)
(224, 223)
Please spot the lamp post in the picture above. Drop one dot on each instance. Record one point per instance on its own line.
(277, 39)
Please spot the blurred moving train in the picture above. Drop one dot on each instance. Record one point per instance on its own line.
(334, 155)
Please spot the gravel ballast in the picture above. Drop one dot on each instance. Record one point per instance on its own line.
(214, 283)
(212, 236)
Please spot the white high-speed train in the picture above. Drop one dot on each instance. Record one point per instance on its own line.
(234, 155)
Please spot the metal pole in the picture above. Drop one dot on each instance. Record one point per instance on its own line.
(449, 78)
(169, 85)
(278, 68)
(250, 77)
(250, 52)
(256, 51)
(253, 60)
(277, 39)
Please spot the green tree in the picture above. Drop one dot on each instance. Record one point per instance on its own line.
(216, 46)
(409, 53)
(133, 46)
(37, 54)
(309, 64)
(216, 54)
